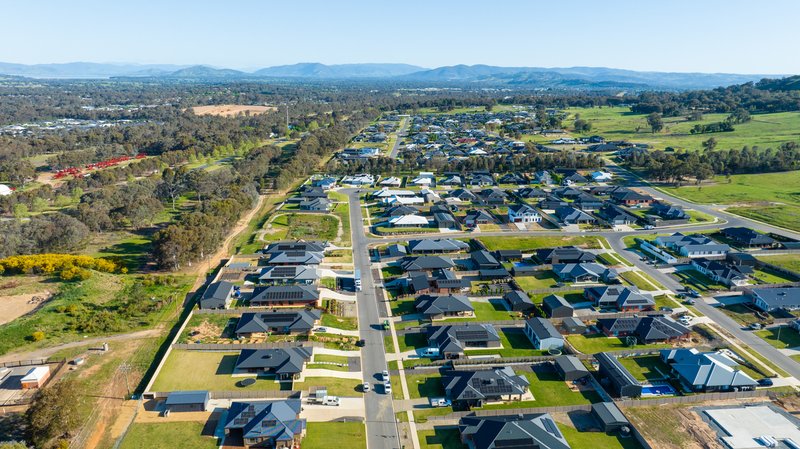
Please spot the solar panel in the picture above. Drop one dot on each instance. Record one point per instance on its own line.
(550, 426)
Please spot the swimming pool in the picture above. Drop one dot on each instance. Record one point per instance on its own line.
(657, 390)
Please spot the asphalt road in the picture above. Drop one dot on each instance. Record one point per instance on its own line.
(381, 425)
(400, 134)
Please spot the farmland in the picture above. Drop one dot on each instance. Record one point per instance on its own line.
(227, 110)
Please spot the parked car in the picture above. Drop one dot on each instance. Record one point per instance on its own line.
(765, 382)
(755, 326)
(321, 329)
(366, 387)
(387, 388)
(385, 376)
(440, 402)
(666, 309)
(361, 343)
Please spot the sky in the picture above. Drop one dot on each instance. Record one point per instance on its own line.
(732, 36)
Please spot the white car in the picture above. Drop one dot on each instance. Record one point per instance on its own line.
(366, 387)
(387, 388)
(385, 376)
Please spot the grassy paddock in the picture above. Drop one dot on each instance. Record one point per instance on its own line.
(169, 435)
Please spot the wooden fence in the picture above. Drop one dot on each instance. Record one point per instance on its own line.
(216, 347)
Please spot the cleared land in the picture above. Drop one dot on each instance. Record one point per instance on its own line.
(228, 110)
(769, 197)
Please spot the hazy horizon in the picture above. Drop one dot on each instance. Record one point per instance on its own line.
(682, 36)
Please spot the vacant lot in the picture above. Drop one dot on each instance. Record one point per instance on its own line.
(592, 344)
(227, 110)
(788, 261)
(168, 435)
(335, 435)
(780, 337)
(769, 197)
(199, 370)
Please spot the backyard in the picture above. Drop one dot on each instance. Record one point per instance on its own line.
(539, 281)
(594, 343)
(527, 244)
(645, 368)
(202, 370)
(169, 435)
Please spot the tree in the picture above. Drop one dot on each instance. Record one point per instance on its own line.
(582, 126)
(710, 144)
(695, 116)
(54, 414)
(38, 204)
(655, 121)
(20, 211)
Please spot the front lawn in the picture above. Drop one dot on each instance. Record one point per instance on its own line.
(493, 310)
(403, 306)
(440, 438)
(698, 281)
(592, 344)
(636, 278)
(168, 436)
(335, 435)
(602, 440)
(339, 322)
(410, 342)
(426, 385)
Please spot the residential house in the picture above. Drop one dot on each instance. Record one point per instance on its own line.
(722, 272)
(624, 299)
(749, 238)
(574, 178)
(452, 340)
(299, 245)
(543, 334)
(617, 380)
(316, 205)
(587, 202)
(483, 260)
(568, 193)
(530, 193)
(475, 388)
(507, 255)
(616, 216)
(585, 272)
(535, 431)
(445, 220)
(443, 306)
(742, 260)
(564, 254)
(436, 246)
(646, 329)
(572, 325)
(551, 202)
(218, 295)
(310, 192)
(285, 295)
(570, 216)
(477, 217)
(408, 221)
(452, 180)
(463, 195)
(295, 258)
(512, 178)
(629, 197)
(266, 424)
(555, 306)
(392, 181)
(669, 212)
(570, 367)
(707, 371)
(696, 245)
(326, 183)
(293, 322)
(400, 210)
(524, 269)
(769, 299)
(426, 263)
(481, 180)
(518, 301)
(447, 282)
(283, 363)
(292, 274)
(522, 213)
(602, 176)
(543, 177)
(359, 180)
(494, 196)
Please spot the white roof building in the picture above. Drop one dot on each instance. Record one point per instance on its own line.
(409, 220)
(5, 190)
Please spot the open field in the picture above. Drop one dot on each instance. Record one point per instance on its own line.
(227, 110)
(168, 435)
(753, 196)
(618, 123)
(335, 435)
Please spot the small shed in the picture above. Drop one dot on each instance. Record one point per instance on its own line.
(572, 325)
(555, 306)
(188, 401)
(570, 367)
(518, 301)
(609, 416)
(36, 377)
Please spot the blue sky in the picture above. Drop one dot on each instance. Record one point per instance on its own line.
(666, 35)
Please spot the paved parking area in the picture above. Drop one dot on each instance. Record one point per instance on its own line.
(347, 408)
(10, 391)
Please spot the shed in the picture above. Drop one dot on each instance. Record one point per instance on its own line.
(555, 306)
(609, 416)
(573, 325)
(616, 378)
(36, 377)
(570, 367)
(188, 401)
(543, 334)
(518, 301)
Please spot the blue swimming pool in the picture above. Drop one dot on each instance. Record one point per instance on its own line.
(657, 390)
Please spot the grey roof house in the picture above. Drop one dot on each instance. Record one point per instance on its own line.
(266, 424)
(543, 334)
(284, 295)
(277, 322)
(217, 296)
(443, 306)
(617, 380)
(555, 306)
(452, 340)
(535, 431)
(283, 363)
(475, 388)
(707, 371)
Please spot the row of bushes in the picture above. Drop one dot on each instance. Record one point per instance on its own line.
(71, 266)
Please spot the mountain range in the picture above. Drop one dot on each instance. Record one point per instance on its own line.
(531, 77)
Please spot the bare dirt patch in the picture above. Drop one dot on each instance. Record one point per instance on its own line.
(15, 306)
(228, 110)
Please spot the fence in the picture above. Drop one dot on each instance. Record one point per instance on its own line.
(513, 411)
(24, 397)
(701, 397)
(17, 363)
(216, 347)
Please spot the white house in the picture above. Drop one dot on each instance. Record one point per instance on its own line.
(393, 181)
(477, 152)
(5, 190)
(602, 176)
(408, 221)
(403, 200)
(523, 213)
(363, 179)
(388, 193)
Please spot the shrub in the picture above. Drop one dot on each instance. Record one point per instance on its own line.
(75, 274)
(37, 336)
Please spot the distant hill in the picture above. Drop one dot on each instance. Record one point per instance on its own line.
(788, 83)
(86, 70)
(317, 70)
(202, 71)
(586, 76)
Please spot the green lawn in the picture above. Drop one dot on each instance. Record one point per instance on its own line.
(168, 436)
(526, 244)
(335, 435)
(789, 338)
(391, 270)
(768, 276)
(426, 385)
(312, 226)
(645, 368)
(602, 440)
(403, 306)
(336, 386)
(636, 278)
(539, 281)
(412, 341)
(491, 311)
(741, 313)
(788, 261)
(441, 438)
(698, 281)
(515, 344)
(343, 212)
(339, 322)
(549, 389)
(199, 370)
(592, 344)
